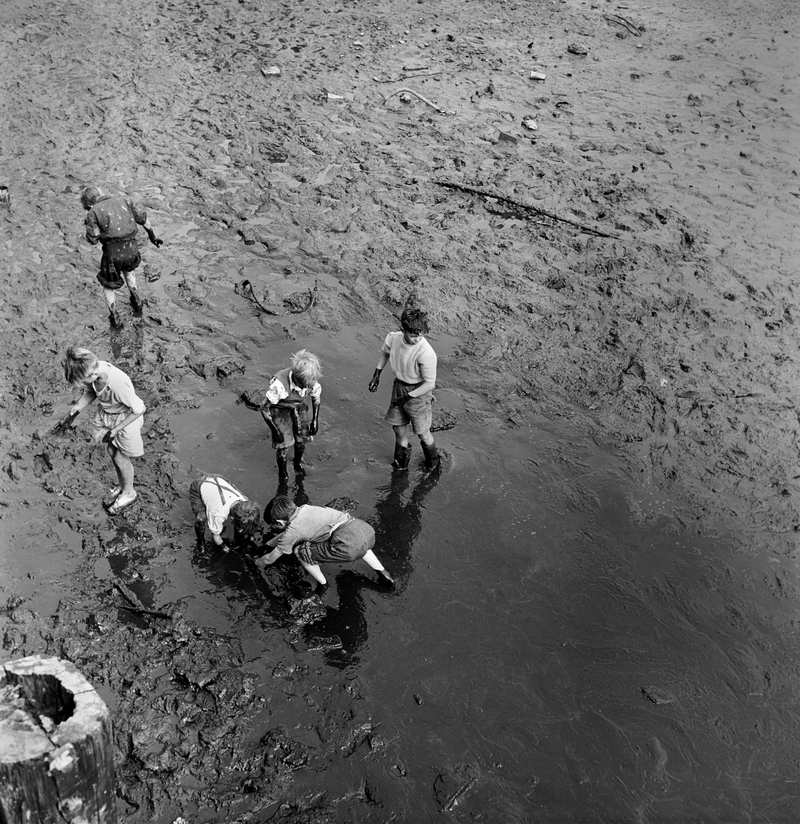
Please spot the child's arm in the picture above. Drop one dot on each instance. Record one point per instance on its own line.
(376, 375)
(266, 414)
(269, 558)
(313, 427)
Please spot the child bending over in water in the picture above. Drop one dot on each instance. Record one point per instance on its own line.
(318, 535)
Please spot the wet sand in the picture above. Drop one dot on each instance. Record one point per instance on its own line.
(595, 611)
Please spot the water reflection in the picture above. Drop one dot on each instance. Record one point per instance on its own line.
(397, 523)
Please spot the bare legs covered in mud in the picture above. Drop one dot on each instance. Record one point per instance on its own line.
(402, 449)
(123, 493)
(370, 558)
(136, 301)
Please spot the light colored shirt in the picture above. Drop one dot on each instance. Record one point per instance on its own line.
(309, 523)
(415, 363)
(218, 500)
(277, 391)
(118, 395)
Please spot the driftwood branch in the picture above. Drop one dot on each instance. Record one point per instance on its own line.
(421, 97)
(136, 605)
(247, 291)
(525, 207)
(635, 30)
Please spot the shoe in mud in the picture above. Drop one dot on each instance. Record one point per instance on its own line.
(136, 302)
(115, 320)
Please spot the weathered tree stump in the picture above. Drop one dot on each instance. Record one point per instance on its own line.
(56, 761)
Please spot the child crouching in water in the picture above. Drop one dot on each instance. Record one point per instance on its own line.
(318, 535)
(213, 501)
(119, 418)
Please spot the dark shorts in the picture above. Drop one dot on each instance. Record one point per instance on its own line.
(282, 418)
(415, 411)
(349, 542)
(196, 500)
(119, 256)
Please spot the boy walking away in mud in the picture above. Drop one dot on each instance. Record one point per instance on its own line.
(413, 362)
(285, 410)
(112, 221)
(213, 501)
(119, 418)
(318, 535)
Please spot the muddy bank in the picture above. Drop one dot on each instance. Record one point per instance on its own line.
(663, 354)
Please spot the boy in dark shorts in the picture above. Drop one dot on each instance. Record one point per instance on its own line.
(285, 410)
(318, 535)
(111, 221)
(213, 501)
(413, 362)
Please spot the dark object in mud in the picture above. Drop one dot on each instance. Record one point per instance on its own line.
(576, 48)
(225, 370)
(443, 420)
(293, 304)
(556, 282)
(658, 695)
(64, 423)
(135, 604)
(252, 399)
(56, 754)
(344, 503)
(470, 190)
(5, 197)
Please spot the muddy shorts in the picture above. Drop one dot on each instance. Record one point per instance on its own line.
(404, 410)
(128, 440)
(282, 418)
(120, 255)
(349, 542)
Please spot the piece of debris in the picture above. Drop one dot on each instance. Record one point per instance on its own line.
(5, 197)
(530, 123)
(421, 97)
(658, 695)
(272, 71)
(332, 96)
(576, 48)
(654, 149)
(538, 75)
(443, 420)
(619, 20)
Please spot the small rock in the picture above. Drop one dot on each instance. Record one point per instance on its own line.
(538, 75)
(654, 149)
(272, 71)
(530, 123)
(576, 48)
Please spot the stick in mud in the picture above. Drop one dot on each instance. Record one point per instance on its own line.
(481, 193)
(421, 97)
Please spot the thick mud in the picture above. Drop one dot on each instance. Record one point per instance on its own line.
(595, 617)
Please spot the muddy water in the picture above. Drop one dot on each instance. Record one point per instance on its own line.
(561, 641)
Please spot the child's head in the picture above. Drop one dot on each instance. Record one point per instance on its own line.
(89, 196)
(246, 516)
(279, 510)
(414, 321)
(306, 369)
(79, 365)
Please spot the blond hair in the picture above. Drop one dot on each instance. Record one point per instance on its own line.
(307, 366)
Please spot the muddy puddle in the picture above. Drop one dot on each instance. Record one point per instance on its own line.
(560, 638)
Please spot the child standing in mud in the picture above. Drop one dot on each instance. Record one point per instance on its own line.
(413, 362)
(213, 501)
(111, 221)
(285, 410)
(118, 422)
(318, 535)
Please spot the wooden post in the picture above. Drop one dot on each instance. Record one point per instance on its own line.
(56, 760)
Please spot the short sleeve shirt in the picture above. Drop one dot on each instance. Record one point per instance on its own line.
(309, 523)
(118, 395)
(277, 391)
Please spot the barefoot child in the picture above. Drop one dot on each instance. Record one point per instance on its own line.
(118, 422)
(111, 221)
(285, 411)
(213, 501)
(413, 362)
(318, 535)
